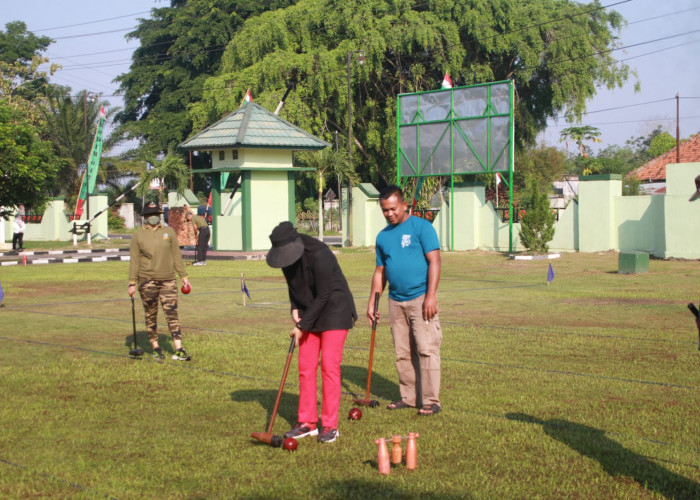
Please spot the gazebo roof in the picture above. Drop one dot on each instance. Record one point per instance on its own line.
(252, 126)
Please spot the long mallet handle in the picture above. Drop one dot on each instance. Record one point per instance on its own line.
(279, 392)
(371, 345)
(696, 313)
(133, 320)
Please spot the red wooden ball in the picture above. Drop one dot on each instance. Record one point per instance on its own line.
(355, 414)
(290, 444)
(186, 288)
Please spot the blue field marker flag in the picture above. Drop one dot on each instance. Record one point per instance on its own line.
(2, 294)
(244, 288)
(550, 274)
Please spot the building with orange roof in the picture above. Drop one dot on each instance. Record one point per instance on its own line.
(653, 173)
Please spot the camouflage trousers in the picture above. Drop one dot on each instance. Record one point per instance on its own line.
(166, 291)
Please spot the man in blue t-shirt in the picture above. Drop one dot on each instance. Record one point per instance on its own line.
(408, 257)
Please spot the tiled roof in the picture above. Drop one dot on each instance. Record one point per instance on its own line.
(655, 170)
(252, 126)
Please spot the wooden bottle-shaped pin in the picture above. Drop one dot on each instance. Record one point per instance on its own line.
(396, 451)
(412, 451)
(382, 456)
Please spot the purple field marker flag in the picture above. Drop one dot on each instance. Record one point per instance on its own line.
(550, 274)
(2, 294)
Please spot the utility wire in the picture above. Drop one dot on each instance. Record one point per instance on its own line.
(92, 22)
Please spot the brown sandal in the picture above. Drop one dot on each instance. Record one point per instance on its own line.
(432, 409)
(398, 405)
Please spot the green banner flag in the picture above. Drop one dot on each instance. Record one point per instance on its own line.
(93, 165)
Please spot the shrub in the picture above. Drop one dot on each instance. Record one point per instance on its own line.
(115, 221)
(537, 225)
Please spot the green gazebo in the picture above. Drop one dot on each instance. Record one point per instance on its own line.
(257, 147)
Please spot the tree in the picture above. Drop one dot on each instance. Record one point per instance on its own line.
(541, 165)
(71, 124)
(579, 135)
(20, 59)
(556, 51)
(180, 47)
(170, 173)
(19, 45)
(537, 226)
(640, 146)
(661, 143)
(27, 164)
(328, 162)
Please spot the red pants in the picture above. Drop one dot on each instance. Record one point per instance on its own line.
(329, 346)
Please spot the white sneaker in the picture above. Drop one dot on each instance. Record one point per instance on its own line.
(198, 264)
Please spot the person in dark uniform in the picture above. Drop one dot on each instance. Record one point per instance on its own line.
(201, 231)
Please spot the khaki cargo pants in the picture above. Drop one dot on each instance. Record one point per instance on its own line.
(417, 348)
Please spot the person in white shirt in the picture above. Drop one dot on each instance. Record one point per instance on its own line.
(18, 227)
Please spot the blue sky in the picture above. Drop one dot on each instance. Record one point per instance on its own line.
(662, 43)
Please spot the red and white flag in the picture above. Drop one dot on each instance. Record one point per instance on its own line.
(498, 178)
(248, 96)
(103, 115)
(447, 82)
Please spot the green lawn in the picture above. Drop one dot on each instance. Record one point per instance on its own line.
(585, 388)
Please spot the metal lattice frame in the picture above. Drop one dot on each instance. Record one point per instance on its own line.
(459, 131)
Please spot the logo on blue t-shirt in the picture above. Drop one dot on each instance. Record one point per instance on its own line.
(405, 240)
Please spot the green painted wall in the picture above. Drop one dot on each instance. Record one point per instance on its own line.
(680, 216)
(597, 214)
(263, 157)
(230, 234)
(269, 205)
(265, 198)
(367, 216)
(55, 226)
(601, 219)
(566, 234)
(469, 201)
(640, 223)
(345, 220)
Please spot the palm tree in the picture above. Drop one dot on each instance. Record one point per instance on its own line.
(328, 162)
(71, 122)
(170, 172)
(580, 134)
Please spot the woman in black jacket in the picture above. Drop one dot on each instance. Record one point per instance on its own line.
(323, 310)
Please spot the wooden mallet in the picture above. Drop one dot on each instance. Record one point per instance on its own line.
(372, 403)
(268, 437)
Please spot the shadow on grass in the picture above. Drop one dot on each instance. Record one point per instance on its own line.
(354, 488)
(164, 341)
(615, 458)
(381, 386)
(286, 413)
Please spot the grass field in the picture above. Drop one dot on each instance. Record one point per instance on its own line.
(585, 388)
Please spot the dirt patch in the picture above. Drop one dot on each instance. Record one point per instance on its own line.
(608, 301)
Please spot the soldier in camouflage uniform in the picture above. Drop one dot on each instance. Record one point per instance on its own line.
(201, 231)
(155, 257)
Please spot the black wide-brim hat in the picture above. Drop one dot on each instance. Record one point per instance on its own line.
(287, 246)
(151, 209)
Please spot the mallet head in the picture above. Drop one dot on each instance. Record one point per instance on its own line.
(268, 438)
(136, 352)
